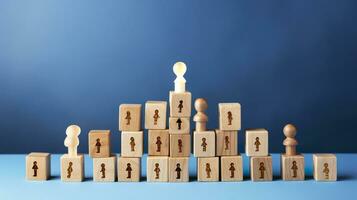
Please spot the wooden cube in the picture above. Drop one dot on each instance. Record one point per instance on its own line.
(129, 117)
(204, 144)
(99, 143)
(72, 168)
(179, 125)
(226, 143)
(208, 169)
(158, 141)
(261, 168)
(292, 168)
(231, 168)
(104, 169)
(157, 169)
(256, 142)
(180, 104)
(128, 169)
(38, 166)
(178, 169)
(132, 144)
(229, 116)
(155, 115)
(180, 145)
(325, 167)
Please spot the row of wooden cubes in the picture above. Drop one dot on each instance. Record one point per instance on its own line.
(128, 169)
(180, 112)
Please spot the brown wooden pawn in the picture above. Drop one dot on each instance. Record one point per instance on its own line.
(200, 118)
(290, 142)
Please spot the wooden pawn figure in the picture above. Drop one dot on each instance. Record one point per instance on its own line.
(200, 118)
(290, 142)
(72, 140)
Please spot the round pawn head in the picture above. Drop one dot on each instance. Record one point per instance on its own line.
(179, 69)
(73, 130)
(289, 131)
(201, 105)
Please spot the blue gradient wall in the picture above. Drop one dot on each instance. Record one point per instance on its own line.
(64, 62)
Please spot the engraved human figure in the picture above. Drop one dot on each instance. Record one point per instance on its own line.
(128, 117)
(158, 144)
(226, 142)
(178, 171)
(132, 143)
(326, 171)
(204, 145)
(257, 144)
(156, 116)
(157, 171)
(229, 117)
(102, 170)
(98, 145)
(35, 168)
(294, 168)
(179, 145)
(232, 169)
(180, 106)
(129, 170)
(208, 170)
(179, 123)
(262, 170)
(69, 169)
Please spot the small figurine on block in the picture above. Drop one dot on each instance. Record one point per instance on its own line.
(293, 165)
(72, 164)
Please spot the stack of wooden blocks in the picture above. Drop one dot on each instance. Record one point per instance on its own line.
(132, 142)
(204, 145)
(227, 141)
(158, 141)
(256, 147)
(180, 138)
(104, 163)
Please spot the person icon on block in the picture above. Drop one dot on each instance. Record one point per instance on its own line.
(257, 144)
(98, 145)
(158, 144)
(128, 117)
(326, 171)
(102, 170)
(179, 123)
(180, 145)
(208, 170)
(262, 170)
(178, 171)
(69, 169)
(129, 170)
(229, 117)
(204, 145)
(180, 106)
(132, 143)
(294, 168)
(226, 143)
(35, 168)
(156, 116)
(232, 169)
(157, 171)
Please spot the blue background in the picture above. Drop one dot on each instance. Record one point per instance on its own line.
(64, 62)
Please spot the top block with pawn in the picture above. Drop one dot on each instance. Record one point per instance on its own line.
(180, 100)
(229, 116)
(130, 117)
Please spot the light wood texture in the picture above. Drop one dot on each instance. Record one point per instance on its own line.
(158, 141)
(72, 140)
(72, 168)
(256, 142)
(292, 168)
(132, 144)
(157, 168)
(38, 166)
(290, 142)
(128, 169)
(229, 116)
(226, 143)
(204, 144)
(104, 169)
(180, 145)
(200, 117)
(178, 169)
(129, 117)
(179, 125)
(208, 169)
(231, 168)
(261, 168)
(99, 143)
(155, 114)
(180, 104)
(325, 167)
